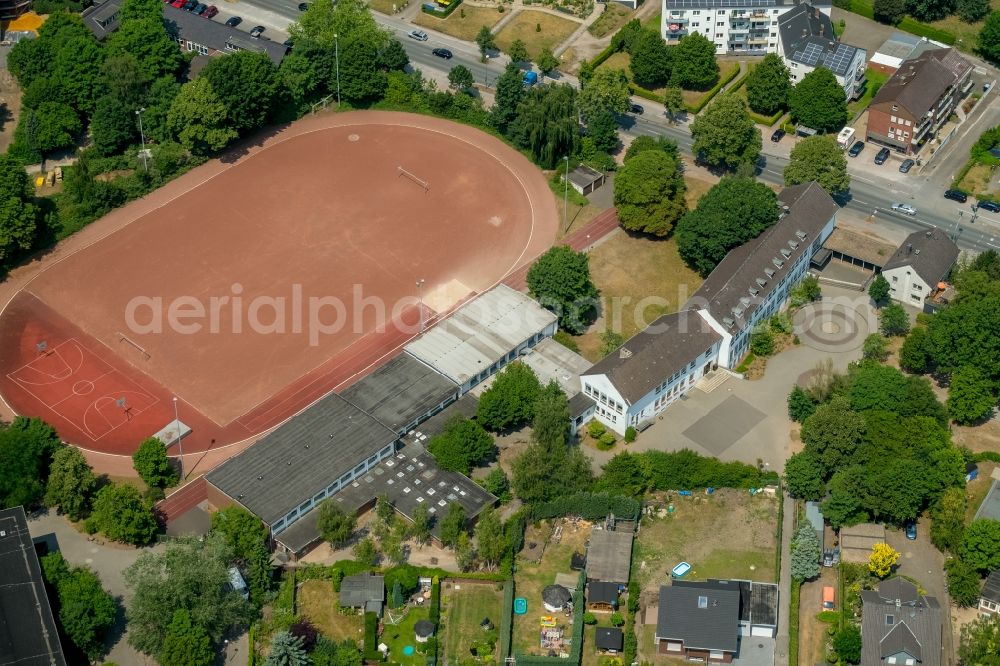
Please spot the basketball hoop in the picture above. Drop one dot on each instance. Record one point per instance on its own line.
(42, 346)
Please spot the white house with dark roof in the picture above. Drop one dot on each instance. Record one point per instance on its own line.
(923, 260)
(753, 281)
(807, 42)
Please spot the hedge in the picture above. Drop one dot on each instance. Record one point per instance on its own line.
(766, 120)
(443, 13)
(251, 642)
(985, 456)
(713, 91)
(793, 623)
(601, 57)
(435, 612)
(506, 619)
(781, 519)
(915, 27)
(286, 593)
(687, 470)
(590, 506)
(371, 637)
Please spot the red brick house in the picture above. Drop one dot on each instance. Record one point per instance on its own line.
(913, 105)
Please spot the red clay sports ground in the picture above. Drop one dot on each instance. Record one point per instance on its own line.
(334, 204)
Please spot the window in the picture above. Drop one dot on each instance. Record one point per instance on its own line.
(305, 505)
(890, 660)
(715, 654)
(722, 12)
(917, 287)
(895, 107)
(719, 24)
(674, 647)
(892, 118)
(718, 34)
(889, 620)
(697, 12)
(895, 279)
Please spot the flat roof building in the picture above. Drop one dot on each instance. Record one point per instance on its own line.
(609, 556)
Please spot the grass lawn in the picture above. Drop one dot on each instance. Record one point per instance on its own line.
(532, 578)
(978, 179)
(622, 60)
(463, 607)
(397, 637)
(554, 31)
(613, 17)
(875, 80)
(976, 490)
(386, 6)
(463, 27)
(317, 601)
(653, 21)
(966, 33)
(726, 535)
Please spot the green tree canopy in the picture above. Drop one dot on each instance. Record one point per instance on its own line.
(645, 142)
(805, 553)
(818, 101)
(833, 434)
(981, 545)
(491, 543)
(510, 399)
(889, 11)
(804, 476)
(847, 643)
(325, 22)
(121, 514)
(729, 214)
(484, 40)
(71, 483)
(649, 193)
(361, 80)
(287, 650)
(518, 52)
(929, 10)
(948, 520)
(185, 643)
(244, 532)
(955, 339)
(989, 37)
(893, 320)
(152, 464)
(248, 86)
(27, 447)
(560, 281)
(694, 65)
(198, 118)
(462, 445)
(979, 641)
(509, 93)
(879, 290)
(652, 61)
(673, 101)
(915, 354)
(547, 61)
(819, 158)
(18, 215)
(607, 90)
(453, 524)
(768, 85)
(460, 78)
(335, 525)
(146, 40)
(86, 610)
(546, 125)
(970, 396)
(724, 135)
(113, 126)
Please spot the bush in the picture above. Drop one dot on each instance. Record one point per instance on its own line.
(589, 618)
(762, 342)
(596, 429)
(606, 442)
(630, 435)
(589, 506)
(616, 619)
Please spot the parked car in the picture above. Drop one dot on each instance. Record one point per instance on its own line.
(882, 156)
(233, 21)
(190, 5)
(210, 11)
(179, 4)
(257, 31)
(831, 557)
(303, 6)
(442, 53)
(418, 35)
(991, 206)
(828, 598)
(288, 43)
(911, 531)
(906, 166)
(904, 208)
(856, 148)
(199, 9)
(778, 135)
(636, 109)
(956, 195)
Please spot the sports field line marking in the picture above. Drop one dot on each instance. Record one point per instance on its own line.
(58, 352)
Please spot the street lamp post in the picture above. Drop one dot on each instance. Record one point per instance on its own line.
(336, 55)
(486, 70)
(180, 443)
(420, 297)
(142, 136)
(565, 190)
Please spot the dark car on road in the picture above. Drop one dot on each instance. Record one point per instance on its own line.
(856, 148)
(210, 11)
(199, 9)
(190, 5)
(233, 21)
(956, 195)
(257, 31)
(636, 109)
(906, 166)
(778, 135)
(882, 156)
(303, 6)
(991, 206)
(442, 53)
(911, 531)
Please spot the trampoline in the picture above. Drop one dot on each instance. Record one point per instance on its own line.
(520, 606)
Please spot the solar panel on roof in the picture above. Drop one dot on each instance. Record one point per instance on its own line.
(809, 55)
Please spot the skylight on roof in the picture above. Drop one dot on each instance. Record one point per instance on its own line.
(702, 602)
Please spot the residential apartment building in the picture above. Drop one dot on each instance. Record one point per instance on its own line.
(748, 27)
(807, 41)
(11, 9)
(917, 100)
(923, 260)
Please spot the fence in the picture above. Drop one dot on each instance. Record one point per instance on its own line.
(506, 619)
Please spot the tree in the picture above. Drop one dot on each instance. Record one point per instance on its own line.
(53, 125)
(71, 483)
(462, 445)
(893, 320)
(882, 559)
(547, 61)
(86, 610)
(465, 553)
(18, 215)
(806, 291)
(729, 214)
(122, 515)
(879, 290)
(768, 85)
(244, 532)
(453, 524)
(801, 404)
(833, 434)
(198, 119)
(509, 93)
(963, 582)
(26, 449)
(185, 643)
(510, 400)
(335, 524)
(606, 91)
(819, 158)
(673, 101)
(460, 78)
(981, 545)
(948, 520)
(724, 135)
(874, 348)
(929, 10)
(152, 464)
(989, 37)
(490, 541)
(361, 79)
(979, 641)
(970, 396)
(326, 21)
(518, 52)
(602, 133)
(392, 57)
(560, 281)
(484, 40)
(287, 650)
(889, 11)
(805, 553)
(842, 508)
(497, 484)
(694, 63)
(113, 126)
(31, 60)
(247, 84)
(915, 354)
(328, 653)
(804, 476)
(818, 101)
(652, 60)
(546, 124)
(847, 643)
(421, 528)
(649, 193)
(645, 142)
(77, 71)
(146, 40)
(762, 341)
(365, 551)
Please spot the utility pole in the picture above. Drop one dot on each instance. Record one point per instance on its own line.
(142, 136)
(565, 190)
(336, 55)
(420, 297)
(180, 442)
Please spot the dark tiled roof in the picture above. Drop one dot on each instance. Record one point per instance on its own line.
(28, 634)
(600, 592)
(401, 391)
(102, 19)
(919, 83)
(217, 35)
(356, 591)
(301, 457)
(930, 254)
(727, 290)
(807, 37)
(991, 592)
(898, 588)
(913, 627)
(662, 348)
(703, 617)
(609, 638)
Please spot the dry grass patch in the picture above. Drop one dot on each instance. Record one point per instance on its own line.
(985, 437)
(613, 17)
(978, 179)
(554, 31)
(976, 490)
(463, 607)
(317, 601)
(463, 23)
(387, 6)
